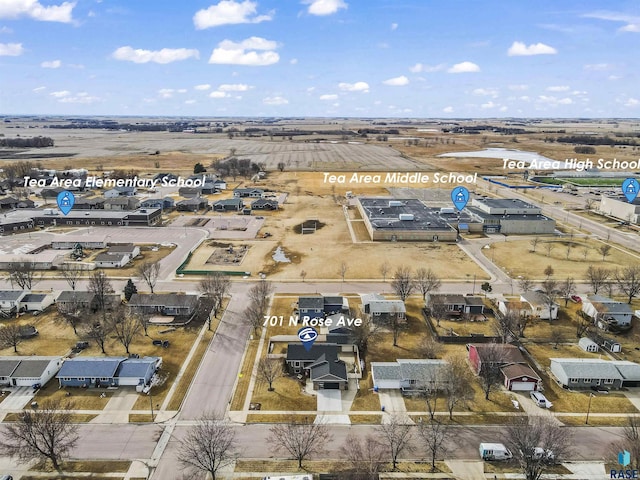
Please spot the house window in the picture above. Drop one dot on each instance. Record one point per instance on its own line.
(574, 380)
(103, 379)
(80, 379)
(296, 364)
(608, 381)
(376, 314)
(586, 380)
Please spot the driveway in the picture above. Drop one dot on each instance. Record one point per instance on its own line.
(393, 403)
(329, 401)
(18, 398)
(466, 470)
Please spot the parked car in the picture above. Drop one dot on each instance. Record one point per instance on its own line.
(494, 451)
(6, 477)
(540, 400)
(576, 299)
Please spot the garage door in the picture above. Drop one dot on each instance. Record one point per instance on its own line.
(523, 386)
(331, 386)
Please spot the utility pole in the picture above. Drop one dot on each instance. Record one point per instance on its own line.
(586, 422)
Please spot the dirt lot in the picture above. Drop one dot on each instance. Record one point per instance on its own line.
(518, 259)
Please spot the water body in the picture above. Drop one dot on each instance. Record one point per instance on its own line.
(280, 257)
(501, 153)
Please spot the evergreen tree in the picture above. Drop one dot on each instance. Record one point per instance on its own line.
(129, 289)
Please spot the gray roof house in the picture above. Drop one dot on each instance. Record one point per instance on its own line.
(108, 371)
(540, 305)
(456, 304)
(10, 300)
(320, 363)
(248, 192)
(380, 308)
(28, 371)
(607, 313)
(228, 205)
(406, 375)
(164, 303)
(579, 373)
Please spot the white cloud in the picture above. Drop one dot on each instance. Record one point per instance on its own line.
(632, 102)
(397, 81)
(518, 49)
(182, 90)
(60, 94)
(275, 100)
(503, 108)
(310, 89)
(166, 55)
(551, 100)
(293, 61)
(11, 49)
(486, 92)
(329, 96)
(219, 94)
(235, 87)
(448, 109)
(39, 89)
(525, 98)
(558, 88)
(464, 67)
(597, 67)
(419, 67)
(202, 87)
(394, 26)
(579, 92)
(189, 102)
(518, 88)
(632, 22)
(166, 92)
(254, 51)
(229, 12)
(354, 87)
(81, 98)
(36, 11)
(488, 105)
(51, 64)
(324, 7)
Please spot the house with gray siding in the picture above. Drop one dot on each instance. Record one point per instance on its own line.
(107, 371)
(406, 375)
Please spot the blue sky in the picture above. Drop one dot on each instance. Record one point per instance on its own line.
(358, 58)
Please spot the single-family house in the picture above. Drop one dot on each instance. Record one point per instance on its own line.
(26, 203)
(51, 194)
(541, 306)
(501, 353)
(609, 344)
(190, 192)
(520, 377)
(10, 300)
(456, 304)
(73, 299)
(192, 204)
(36, 302)
(516, 307)
(89, 203)
(588, 345)
(264, 204)
(248, 193)
(8, 203)
(164, 303)
(108, 371)
(219, 184)
(165, 178)
(111, 260)
(165, 203)
(320, 364)
(121, 203)
(407, 375)
(28, 371)
(607, 313)
(311, 306)
(579, 373)
(120, 192)
(128, 248)
(228, 205)
(382, 310)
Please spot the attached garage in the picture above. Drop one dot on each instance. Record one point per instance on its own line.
(386, 375)
(330, 386)
(519, 377)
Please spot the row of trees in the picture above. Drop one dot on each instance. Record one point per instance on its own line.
(24, 142)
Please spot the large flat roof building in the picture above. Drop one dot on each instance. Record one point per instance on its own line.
(617, 206)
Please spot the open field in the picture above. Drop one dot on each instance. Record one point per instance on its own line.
(518, 259)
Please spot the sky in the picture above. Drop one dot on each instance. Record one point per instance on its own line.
(324, 58)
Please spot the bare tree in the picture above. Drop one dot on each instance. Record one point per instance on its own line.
(269, 369)
(557, 337)
(506, 324)
(215, 286)
(426, 281)
(343, 270)
(144, 319)
(365, 333)
(569, 247)
(550, 290)
(208, 446)
(430, 347)
(396, 435)
(628, 279)
(434, 435)
(525, 284)
(567, 288)
(74, 313)
(71, 273)
(47, 433)
(303, 275)
(100, 286)
(490, 374)
(429, 385)
(537, 443)
(597, 277)
(396, 323)
(149, 272)
(254, 317)
(548, 271)
(585, 252)
(98, 332)
(589, 204)
(299, 438)
(584, 325)
(402, 282)
(604, 250)
(366, 457)
(384, 270)
(259, 295)
(456, 383)
(534, 243)
(549, 246)
(630, 441)
(23, 274)
(11, 336)
(125, 327)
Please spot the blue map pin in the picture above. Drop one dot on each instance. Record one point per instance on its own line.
(66, 199)
(307, 336)
(460, 197)
(630, 188)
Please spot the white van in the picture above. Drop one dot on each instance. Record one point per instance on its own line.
(540, 400)
(494, 451)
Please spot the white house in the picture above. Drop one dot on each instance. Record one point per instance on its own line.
(406, 374)
(36, 302)
(130, 249)
(588, 345)
(539, 303)
(28, 371)
(10, 300)
(607, 312)
(111, 260)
